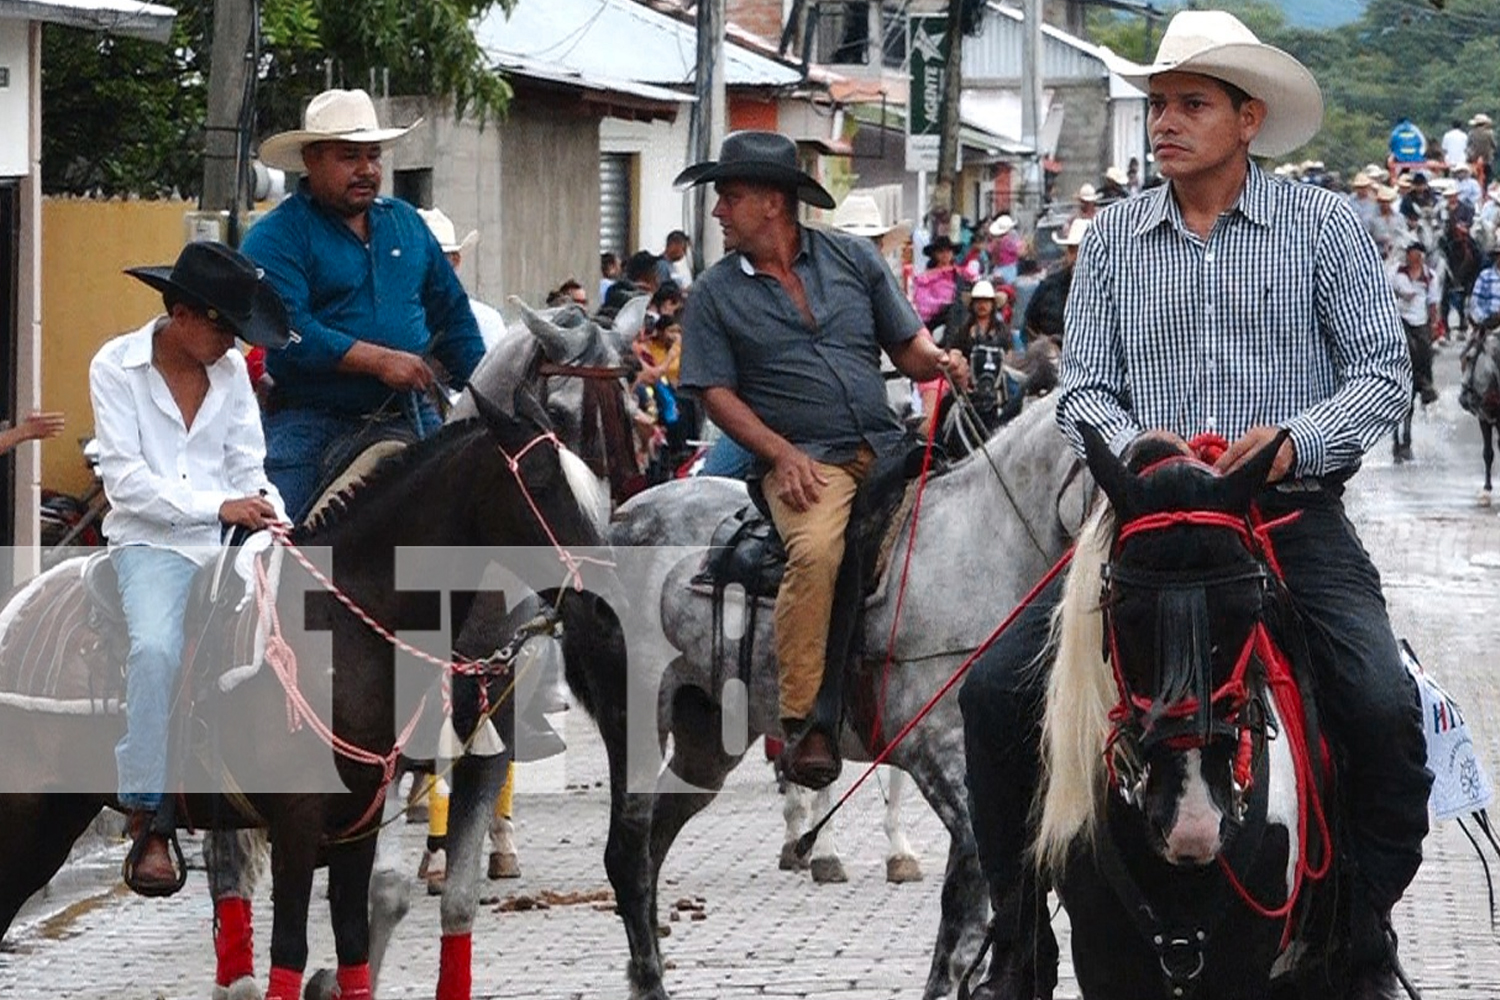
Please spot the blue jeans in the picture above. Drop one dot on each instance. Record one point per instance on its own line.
(728, 458)
(304, 446)
(1366, 701)
(154, 586)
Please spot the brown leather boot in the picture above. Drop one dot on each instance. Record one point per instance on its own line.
(809, 758)
(148, 867)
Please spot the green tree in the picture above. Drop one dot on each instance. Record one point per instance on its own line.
(122, 116)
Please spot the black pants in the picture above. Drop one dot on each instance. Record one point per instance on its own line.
(1366, 701)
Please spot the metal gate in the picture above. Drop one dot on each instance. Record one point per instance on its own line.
(615, 176)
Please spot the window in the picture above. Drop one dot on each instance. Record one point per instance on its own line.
(413, 187)
(843, 32)
(616, 181)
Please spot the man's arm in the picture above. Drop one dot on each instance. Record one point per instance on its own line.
(1091, 376)
(922, 360)
(1357, 315)
(457, 342)
(245, 448)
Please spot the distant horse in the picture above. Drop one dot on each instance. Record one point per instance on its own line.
(1183, 818)
(1479, 393)
(487, 482)
(981, 540)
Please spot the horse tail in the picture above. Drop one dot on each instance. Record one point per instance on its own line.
(1080, 693)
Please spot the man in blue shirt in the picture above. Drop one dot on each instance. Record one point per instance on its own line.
(367, 287)
(1408, 144)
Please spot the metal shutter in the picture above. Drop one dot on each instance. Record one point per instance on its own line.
(614, 203)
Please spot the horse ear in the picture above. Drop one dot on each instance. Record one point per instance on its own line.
(563, 333)
(1117, 482)
(489, 410)
(1241, 485)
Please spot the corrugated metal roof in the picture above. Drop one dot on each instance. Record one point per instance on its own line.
(150, 21)
(617, 39)
(591, 81)
(995, 53)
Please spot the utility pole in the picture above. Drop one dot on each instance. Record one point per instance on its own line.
(229, 74)
(1031, 106)
(947, 173)
(706, 131)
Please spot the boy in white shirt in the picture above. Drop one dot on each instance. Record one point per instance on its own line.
(182, 459)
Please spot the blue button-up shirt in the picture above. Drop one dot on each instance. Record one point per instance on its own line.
(1282, 316)
(398, 291)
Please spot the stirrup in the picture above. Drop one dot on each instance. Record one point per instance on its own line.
(133, 857)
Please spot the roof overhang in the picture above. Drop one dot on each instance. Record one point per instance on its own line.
(985, 146)
(609, 98)
(131, 18)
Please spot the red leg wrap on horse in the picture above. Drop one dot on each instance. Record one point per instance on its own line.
(286, 984)
(354, 982)
(455, 971)
(233, 940)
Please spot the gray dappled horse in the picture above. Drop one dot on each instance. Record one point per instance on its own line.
(1479, 393)
(982, 540)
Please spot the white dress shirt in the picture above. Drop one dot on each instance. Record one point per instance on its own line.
(166, 482)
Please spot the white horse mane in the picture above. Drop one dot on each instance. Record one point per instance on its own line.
(1080, 693)
(587, 488)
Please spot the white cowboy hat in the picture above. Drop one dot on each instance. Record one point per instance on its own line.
(1088, 194)
(446, 234)
(1384, 193)
(1002, 225)
(1480, 119)
(1362, 181)
(1117, 175)
(1214, 43)
(1074, 235)
(859, 215)
(334, 115)
(1376, 172)
(982, 289)
(1444, 185)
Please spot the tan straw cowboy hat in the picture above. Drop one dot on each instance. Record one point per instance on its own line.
(332, 116)
(446, 233)
(1214, 43)
(859, 215)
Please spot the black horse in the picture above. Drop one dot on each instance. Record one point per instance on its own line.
(498, 480)
(1184, 821)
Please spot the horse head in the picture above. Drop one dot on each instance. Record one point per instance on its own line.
(537, 478)
(1184, 595)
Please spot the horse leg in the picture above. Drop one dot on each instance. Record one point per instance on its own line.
(824, 864)
(36, 834)
(938, 772)
(234, 859)
(471, 802)
(390, 889)
(295, 830)
(504, 862)
(794, 815)
(1488, 430)
(699, 761)
(901, 864)
(349, 867)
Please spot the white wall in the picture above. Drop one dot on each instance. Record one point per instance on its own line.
(661, 151)
(15, 98)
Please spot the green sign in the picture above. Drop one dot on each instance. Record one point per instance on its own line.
(927, 47)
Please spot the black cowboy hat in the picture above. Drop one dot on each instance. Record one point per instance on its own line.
(228, 287)
(761, 157)
(941, 243)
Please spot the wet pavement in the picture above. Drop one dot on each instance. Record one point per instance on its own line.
(744, 928)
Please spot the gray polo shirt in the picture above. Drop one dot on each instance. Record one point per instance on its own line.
(820, 387)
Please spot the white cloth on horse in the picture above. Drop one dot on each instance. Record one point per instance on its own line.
(244, 568)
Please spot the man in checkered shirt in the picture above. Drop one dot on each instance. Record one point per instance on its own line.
(1231, 302)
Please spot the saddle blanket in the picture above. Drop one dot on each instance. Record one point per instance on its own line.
(63, 654)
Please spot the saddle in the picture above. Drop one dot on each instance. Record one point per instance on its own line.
(63, 638)
(747, 551)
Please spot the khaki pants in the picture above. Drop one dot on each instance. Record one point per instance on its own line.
(814, 540)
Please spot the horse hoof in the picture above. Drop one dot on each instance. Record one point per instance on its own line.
(220, 992)
(324, 985)
(789, 861)
(436, 871)
(826, 870)
(1485, 498)
(243, 988)
(505, 865)
(903, 869)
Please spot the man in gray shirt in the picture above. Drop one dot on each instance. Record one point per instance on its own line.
(782, 342)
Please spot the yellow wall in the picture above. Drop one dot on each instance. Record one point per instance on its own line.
(86, 300)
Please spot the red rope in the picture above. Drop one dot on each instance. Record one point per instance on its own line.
(911, 543)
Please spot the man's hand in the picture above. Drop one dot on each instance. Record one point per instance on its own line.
(254, 513)
(956, 367)
(796, 479)
(402, 370)
(1256, 438)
